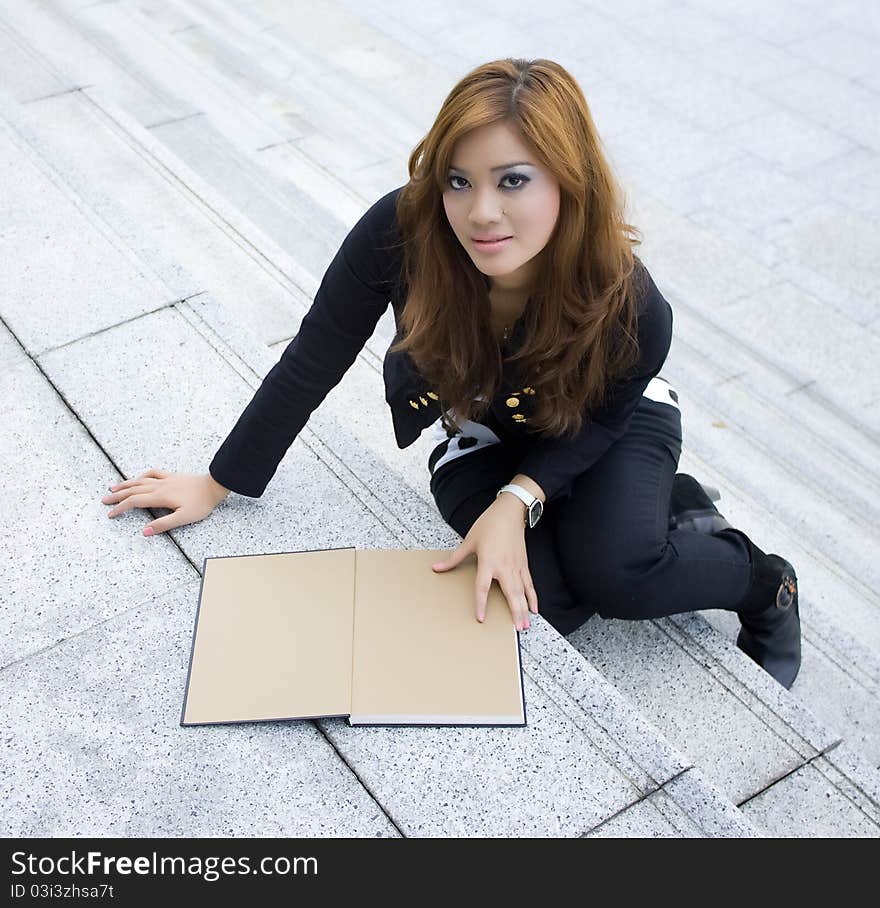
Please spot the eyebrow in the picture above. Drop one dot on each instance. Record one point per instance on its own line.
(502, 167)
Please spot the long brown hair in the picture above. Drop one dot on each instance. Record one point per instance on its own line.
(580, 321)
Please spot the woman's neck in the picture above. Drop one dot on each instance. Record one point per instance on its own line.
(506, 308)
(508, 301)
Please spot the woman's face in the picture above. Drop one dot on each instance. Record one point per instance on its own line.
(487, 197)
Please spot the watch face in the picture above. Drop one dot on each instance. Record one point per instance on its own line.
(536, 509)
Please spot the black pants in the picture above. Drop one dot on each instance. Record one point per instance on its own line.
(607, 549)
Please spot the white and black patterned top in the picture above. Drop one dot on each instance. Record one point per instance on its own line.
(449, 445)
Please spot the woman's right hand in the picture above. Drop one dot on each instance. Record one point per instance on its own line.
(191, 496)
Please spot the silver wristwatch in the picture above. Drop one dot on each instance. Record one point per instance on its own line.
(534, 506)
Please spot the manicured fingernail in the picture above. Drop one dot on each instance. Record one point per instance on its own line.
(148, 531)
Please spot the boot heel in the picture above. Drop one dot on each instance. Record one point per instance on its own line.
(770, 616)
(691, 506)
(711, 491)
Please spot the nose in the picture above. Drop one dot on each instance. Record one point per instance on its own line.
(485, 209)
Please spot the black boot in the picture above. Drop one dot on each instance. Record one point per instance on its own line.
(691, 506)
(771, 623)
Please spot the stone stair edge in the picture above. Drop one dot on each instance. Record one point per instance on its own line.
(396, 123)
(803, 442)
(805, 403)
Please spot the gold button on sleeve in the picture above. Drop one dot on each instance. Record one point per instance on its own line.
(413, 404)
(433, 396)
(512, 402)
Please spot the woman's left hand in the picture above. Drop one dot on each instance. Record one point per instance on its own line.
(497, 538)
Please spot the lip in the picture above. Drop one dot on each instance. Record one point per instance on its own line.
(491, 245)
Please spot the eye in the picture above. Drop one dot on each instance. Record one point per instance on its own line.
(517, 176)
(520, 177)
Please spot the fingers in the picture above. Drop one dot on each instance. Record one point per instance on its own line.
(161, 524)
(117, 494)
(129, 483)
(531, 593)
(513, 591)
(122, 490)
(516, 584)
(145, 492)
(454, 559)
(164, 523)
(139, 497)
(484, 581)
(127, 502)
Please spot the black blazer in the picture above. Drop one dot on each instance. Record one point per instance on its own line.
(359, 283)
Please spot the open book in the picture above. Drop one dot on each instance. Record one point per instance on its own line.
(374, 635)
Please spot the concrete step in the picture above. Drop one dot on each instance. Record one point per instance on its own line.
(816, 351)
(848, 479)
(840, 643)
(76, 59)
(855, 479)
(731, 718)
(190, 58)
(69, 667)
(767, 741)
(25, 73)
(226, 14)
(352, 418)
(191, 131)
(95, 649)
(59, 129)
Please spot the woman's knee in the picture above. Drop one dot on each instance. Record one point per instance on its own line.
(624, 602)
(616, 587)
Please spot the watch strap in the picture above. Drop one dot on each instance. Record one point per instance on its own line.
(534, 507)
(522, 494)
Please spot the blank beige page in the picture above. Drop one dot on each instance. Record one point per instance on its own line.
(419, 652)
(273, 638)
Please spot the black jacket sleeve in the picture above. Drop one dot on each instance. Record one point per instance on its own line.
(352, 297)
(554, 462)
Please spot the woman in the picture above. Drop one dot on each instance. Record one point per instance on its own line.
(530, 337)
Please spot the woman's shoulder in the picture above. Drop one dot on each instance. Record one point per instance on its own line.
(654, 316)
(650, 302)
(378, 224)
(384, 209)
(373, 247)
